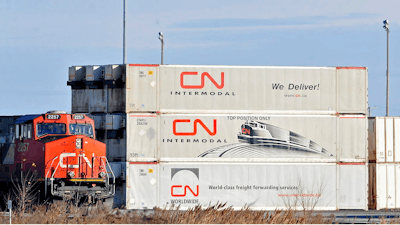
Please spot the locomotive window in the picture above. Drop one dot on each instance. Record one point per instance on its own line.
(17, 131)
(85, 129)
(50, 128)
(29, 130)
(25, 129)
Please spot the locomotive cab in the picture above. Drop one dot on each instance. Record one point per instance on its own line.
(61, 150)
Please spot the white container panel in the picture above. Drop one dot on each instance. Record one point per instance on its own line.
(389, 140)
(247, 136)
(261, 186)
(391, 188)
(397, 185)
(352, 90)
(142, 185)
(353, 186)
(380, 141)
(384, 139)
(381, 179)
(206, 137)
(246, 89)
(142, 136)
(397, 140)
(386, 190)
(352, 138)
(141, 88)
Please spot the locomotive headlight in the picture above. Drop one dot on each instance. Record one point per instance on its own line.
(78, 143)
(102, 174)
(71, 174)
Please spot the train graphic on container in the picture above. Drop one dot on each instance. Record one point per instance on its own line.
(61, 152)
(258, 139)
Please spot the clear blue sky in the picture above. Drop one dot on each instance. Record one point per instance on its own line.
(39, 40)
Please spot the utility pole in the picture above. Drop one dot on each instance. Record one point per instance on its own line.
(386, 27)
(161, 37)
(124, 35)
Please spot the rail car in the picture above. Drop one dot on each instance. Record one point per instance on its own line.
(62, 152)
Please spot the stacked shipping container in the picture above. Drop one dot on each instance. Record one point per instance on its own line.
(267, 137)
(384, 166)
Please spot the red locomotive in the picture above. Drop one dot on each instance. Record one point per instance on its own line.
(61, 151)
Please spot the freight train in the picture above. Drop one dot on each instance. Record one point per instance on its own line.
(61, 151)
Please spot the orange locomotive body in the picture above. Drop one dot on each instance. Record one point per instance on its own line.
(61, 151)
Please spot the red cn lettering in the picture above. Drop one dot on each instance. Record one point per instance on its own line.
(205, 74)
(212, 133)
(245, 131)
(184, 191)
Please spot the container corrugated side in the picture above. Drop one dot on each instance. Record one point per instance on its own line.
(384, 183)
(109, 100)
(384, 139)
(245, 89)
(261, 186)
(247, 137)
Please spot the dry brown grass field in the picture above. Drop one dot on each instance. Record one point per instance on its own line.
(63, 213)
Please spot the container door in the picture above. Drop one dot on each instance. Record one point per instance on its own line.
(352, 186)
(381, 195)
(391, 188)
(141, 88)
(389, 139)
(142, 136)
(397, 183)
(380, 140)
(352, 138)
(141, 189)
(396, 135)
(352, 98)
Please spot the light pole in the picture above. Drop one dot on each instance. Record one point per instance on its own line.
(124, 35)
(161, 37)
(386, 27)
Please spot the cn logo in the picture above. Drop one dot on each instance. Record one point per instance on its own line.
(173, 192)
(203, 75)
(183, 190)
(195, 122)
(245, 131)
(67, 154)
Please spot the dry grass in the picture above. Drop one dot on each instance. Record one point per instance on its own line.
(62, 213)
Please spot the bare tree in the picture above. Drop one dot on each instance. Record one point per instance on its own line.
(25, 190)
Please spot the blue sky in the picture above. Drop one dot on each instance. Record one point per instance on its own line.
(39, 40)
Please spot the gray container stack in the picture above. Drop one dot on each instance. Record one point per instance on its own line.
(197, 134)
(7, 144)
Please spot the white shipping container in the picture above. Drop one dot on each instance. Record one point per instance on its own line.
(246, 89)
(261, 186)
(384, 139)
(247, 137)
(235, 89)
(384, 186)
